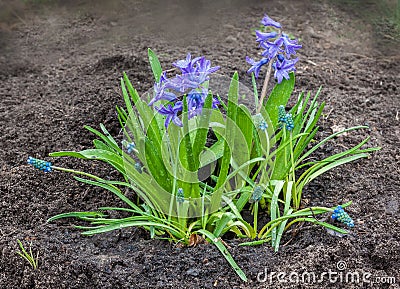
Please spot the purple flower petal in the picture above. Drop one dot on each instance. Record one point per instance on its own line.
(183, 64)
(171, 113)
(266, 21)
(264, 36)
(272, 48)
(256, 66)
(283, 68)
(290, 45)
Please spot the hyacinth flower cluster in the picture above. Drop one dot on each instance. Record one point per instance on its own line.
(341, 216)
(40, 164)
(192, 82)
(278, 50)
(285, 118)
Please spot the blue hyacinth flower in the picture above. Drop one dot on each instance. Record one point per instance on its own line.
(282, 68)
(192, 81)
(267, 21)
(40, 164)
(256, 65)
(265, 36)
(171, 113)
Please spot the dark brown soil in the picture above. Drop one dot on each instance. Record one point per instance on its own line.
(59, 70)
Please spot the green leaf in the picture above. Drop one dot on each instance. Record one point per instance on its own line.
(106, 138)
(76, 215)
(222, 222)
(67, 154)
(221, 247)
(145, 112)
(324, 224)
(202, 130)
(255, 91)
(233, 96)
(245, 124)
(314, 148)
(98, 144)
(212, 154)
(275, 207)
(330, 166)
(192, 189)
(126, 224)
(281, 228)
(110, 138)
(110, 188)
(155, 65)
(156, 166)
(279, 96)
(255, 243)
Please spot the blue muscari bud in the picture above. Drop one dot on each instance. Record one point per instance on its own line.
(263, 125)
(257, 194)
(260, 122)
(341, 216)
(285, 118)
(138, 167)
(281, 114)
(180, 197)
(130, 147)
(289, 122)
(40, 164)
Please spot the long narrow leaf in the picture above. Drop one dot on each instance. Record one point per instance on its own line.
(221, 247)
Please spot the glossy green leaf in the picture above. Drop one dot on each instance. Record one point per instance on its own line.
(155, 65)
(279, 96)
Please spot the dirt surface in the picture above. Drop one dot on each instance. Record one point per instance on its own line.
(59, 70)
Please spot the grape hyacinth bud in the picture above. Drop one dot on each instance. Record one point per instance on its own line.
(130, 147)
(281, 114)
(260, 122)
(40, 164)
(263, 125)
(180, 197)
(285, 118)
(340, 215)
(289, 122)
(138, 167)
(257, 194)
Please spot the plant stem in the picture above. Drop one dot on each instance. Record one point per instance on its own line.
(77, 172)
(296, 198)
(255, 217)
(265, 85)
